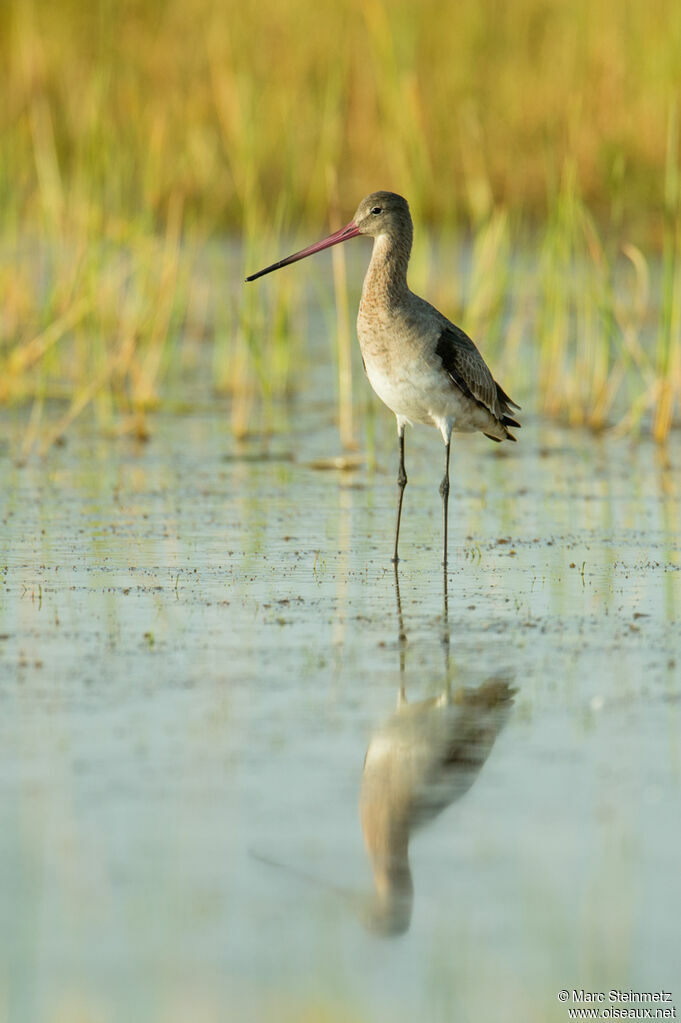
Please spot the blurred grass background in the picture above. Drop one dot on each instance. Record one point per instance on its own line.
(111, 108)
(136, 133)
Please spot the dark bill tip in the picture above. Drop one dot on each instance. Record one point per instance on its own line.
(349, 231)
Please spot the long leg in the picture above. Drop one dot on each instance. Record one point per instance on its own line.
(444, 492)
(401, 639)
(445, 625)
(401, 484)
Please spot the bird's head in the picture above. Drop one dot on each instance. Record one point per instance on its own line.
(383, 213)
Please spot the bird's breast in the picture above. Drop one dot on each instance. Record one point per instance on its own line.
(402, 369)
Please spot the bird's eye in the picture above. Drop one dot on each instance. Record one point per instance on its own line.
(377, 209)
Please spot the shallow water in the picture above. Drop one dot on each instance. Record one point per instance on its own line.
(197, 644)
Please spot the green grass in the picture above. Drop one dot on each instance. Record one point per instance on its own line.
(138, 135)
(113, 108)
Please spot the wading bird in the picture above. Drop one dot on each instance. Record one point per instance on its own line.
(422, 366)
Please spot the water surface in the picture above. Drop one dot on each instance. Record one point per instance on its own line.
(198, 641)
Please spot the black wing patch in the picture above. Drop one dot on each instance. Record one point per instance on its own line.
(464, 364)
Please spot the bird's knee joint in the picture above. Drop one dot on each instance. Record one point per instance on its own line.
(444, 487)
(402, 478)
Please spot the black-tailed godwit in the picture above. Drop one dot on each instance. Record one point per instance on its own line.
(419, 363)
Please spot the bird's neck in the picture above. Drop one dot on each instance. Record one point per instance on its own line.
(392, 876)
(385, 283)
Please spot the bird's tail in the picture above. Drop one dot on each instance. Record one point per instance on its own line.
(506, 405)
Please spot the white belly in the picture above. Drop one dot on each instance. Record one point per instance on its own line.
(419, 394)
(406, 373)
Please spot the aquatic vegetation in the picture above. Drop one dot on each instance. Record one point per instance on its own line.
(668, 356)
(129, 106)
(134, 140)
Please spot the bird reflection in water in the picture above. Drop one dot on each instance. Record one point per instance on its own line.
(423, 757)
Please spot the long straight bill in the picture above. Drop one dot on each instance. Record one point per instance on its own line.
(349, 231)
